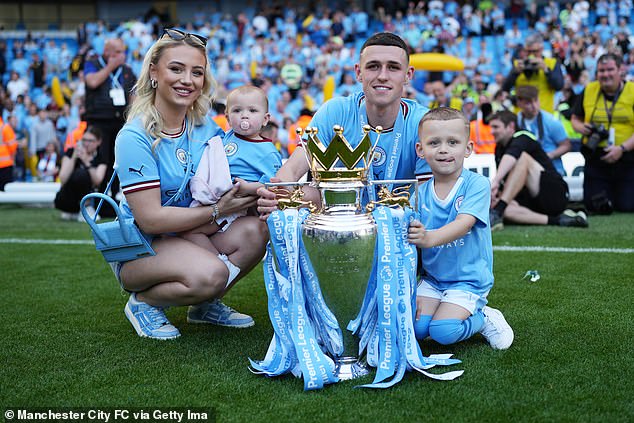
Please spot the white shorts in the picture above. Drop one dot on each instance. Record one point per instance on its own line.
(465, 299)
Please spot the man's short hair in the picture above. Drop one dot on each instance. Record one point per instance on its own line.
(526, 92)
(385, 39)
(444, 114)
(610, 56)
(505, 116)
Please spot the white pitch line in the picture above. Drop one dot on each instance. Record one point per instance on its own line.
(495, 248)
(46, 241)
(563, 249)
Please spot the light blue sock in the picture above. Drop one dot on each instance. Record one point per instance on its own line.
(421, 326)
(450, 331)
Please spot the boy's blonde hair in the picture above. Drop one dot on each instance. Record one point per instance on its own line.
(444, 114)
(247, 89)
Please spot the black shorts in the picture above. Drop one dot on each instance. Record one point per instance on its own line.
(552, 198)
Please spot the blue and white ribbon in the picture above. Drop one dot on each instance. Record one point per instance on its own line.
(385, 323)
(304, 326)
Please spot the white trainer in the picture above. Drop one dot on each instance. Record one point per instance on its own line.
(496, 329)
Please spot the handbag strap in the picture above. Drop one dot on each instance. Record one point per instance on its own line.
(178, 193)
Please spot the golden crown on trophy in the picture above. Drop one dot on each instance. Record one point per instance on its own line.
(339, 161)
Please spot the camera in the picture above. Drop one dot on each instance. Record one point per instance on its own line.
(530, 65)
(598, 134)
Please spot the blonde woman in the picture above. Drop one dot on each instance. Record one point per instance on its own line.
(156, 153)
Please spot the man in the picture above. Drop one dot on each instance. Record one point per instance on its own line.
(480, 130)
(8, 149)
(534, 69)
(42, 131)
(550, 132)
(383, 70)
(527, 188)
(109, 83)
(605, 116)
(442, 98)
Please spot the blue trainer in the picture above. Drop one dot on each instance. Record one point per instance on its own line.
(149, 321)
(216, 313)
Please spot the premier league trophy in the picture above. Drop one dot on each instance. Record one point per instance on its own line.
(340, 238)
(341, 272)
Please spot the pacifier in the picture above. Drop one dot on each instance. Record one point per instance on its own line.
(245, 125)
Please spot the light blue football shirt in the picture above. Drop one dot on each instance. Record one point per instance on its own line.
(467, 262)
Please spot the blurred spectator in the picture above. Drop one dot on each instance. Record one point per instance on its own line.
(442, 98)
(42, 130)
(17, 86)
(526, 188)
(604, 114)
(82, 171)
(305, 116)
(541, 72)
(8, 148)
(469, 108)
(22, 141)
(549, 131)
(109, 82)
(220, 117)
(48, 166)
(480, 130)
(20, 64)
(74, 135)
(37, 69)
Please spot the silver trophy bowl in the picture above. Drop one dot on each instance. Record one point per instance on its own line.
(340, 241)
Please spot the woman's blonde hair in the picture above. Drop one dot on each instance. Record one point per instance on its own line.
(143, 104)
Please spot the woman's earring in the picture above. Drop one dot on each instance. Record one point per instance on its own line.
(153, 83)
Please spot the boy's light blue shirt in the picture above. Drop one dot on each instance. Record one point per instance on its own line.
(467, 262)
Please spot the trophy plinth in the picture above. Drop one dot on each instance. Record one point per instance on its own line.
(340, 239)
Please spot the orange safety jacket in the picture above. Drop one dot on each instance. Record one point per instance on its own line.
(8, 146)
(483, 140)
(293, 138)
(221, 121)
(75, 135)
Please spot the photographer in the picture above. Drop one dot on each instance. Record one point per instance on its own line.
(534, 69)
(83, 169)
(604, 114)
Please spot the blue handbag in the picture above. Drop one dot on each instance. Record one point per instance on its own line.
(119, 240)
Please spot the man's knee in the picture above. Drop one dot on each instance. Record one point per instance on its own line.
(525, 160)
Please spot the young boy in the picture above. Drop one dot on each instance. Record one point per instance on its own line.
(455, 239)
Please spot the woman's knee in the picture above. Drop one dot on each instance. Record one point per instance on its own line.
(207, 280)
(257, 231)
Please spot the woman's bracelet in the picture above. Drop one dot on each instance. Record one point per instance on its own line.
(215, 212)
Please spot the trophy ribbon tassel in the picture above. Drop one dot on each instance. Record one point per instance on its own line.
(385, 323)
(303, 324)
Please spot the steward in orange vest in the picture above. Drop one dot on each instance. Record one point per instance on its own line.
(8, 148)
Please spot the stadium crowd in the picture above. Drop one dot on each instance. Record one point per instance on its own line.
(301, 57)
